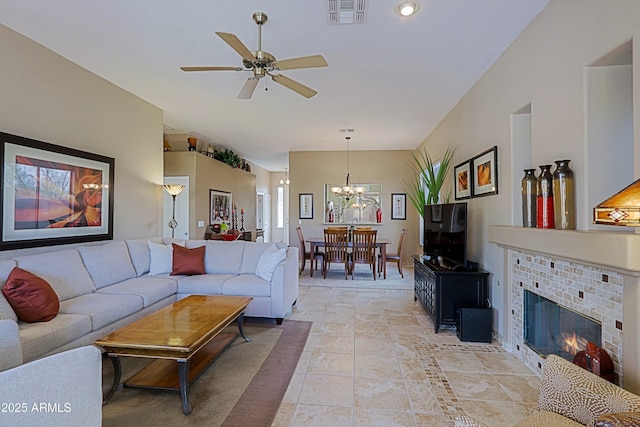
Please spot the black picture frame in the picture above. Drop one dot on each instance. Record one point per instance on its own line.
(484, 169)
(305, 206)
(220, 207)
(399, 206)
(53, 195)
(463, 180)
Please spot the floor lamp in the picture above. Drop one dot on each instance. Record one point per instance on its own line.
(174, 190)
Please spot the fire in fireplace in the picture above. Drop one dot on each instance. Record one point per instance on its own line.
(552, 329)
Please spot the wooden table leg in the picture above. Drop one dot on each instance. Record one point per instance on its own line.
(312, 257)
(384, 259)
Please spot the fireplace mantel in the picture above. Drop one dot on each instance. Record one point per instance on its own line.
(615, 250)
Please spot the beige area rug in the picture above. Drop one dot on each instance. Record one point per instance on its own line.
(243, 387)
(363, 278)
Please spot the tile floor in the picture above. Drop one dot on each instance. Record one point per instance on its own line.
(373, 359)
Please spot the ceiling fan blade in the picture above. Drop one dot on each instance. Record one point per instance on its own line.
(313, 61)
(237, 45)
(248, 88)
(285, 81)
(211, 68)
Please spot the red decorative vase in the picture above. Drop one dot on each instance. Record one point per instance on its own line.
(544, 203)
(379, 216)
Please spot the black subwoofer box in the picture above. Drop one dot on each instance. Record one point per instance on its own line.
(474, 324)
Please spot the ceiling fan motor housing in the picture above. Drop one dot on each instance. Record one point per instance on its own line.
(260, 18)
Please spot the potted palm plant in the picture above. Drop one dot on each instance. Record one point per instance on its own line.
(427, 177)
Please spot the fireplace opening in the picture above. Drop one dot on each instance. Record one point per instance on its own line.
(550, 328)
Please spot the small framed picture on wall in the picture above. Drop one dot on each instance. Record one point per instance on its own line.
(398, 206)
(485, 173)
(463, 180)
(306, 206)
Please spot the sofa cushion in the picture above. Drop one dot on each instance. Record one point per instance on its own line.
(576, 393)
(63, 269)
(545, 418)
(10, 350)
(252, 252)
(161, 258)
(102, 308)
(150, 288)
(223, 257)
(268, 261)
(247, 285)
(187, 261)
(208, 284)
(620, 419)
(30, 296)
(139, 253)
(40, 338)
(6, 312)
(195, 243)
(107, 264)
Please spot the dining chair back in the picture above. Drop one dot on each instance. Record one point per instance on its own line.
(397, 257)
(335, 250)
(363, 250)
(307, 255)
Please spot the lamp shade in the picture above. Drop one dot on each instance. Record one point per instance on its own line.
(174, 189)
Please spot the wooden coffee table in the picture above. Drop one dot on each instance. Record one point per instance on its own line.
(186, 332)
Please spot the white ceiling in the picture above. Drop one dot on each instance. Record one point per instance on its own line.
(392, 79)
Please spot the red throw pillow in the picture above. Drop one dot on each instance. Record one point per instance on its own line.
(187, 261)
(30, 296)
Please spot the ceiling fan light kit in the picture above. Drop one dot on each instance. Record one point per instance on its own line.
(263, 63)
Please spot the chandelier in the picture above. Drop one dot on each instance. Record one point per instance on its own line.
(347, 192)
(285, 179)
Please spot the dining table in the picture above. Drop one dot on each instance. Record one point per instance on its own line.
(318, 242)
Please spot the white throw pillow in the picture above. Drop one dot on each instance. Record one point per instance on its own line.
(269, 260)
(161, 258)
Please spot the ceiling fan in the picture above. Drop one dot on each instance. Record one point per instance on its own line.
(264, 64)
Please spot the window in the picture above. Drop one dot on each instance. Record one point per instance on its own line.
(280, 208)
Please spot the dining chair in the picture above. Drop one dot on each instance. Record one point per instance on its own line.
(394, 257)
(335, 250)
(363, 250)
(307, 255)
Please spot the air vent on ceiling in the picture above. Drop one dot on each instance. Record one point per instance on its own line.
(343, 12)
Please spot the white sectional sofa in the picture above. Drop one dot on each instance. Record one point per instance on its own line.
(103, 287)
(64, 389)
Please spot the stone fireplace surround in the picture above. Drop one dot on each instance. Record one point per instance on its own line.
(592, 272)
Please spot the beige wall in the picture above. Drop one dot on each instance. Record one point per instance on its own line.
(310, 171)
(545, 67)
(49, 98)
(208, 174)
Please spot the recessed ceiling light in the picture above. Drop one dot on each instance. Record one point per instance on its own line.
(407, 8)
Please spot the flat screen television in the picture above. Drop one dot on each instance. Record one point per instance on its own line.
(445, 235)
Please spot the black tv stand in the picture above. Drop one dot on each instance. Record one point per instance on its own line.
(442, 290)
(441, 264)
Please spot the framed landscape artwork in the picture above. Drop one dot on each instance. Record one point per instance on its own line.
(306, 206)
(398, 206)
(53, 195)
(485, 173)
(220, 207)
(463, 180)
